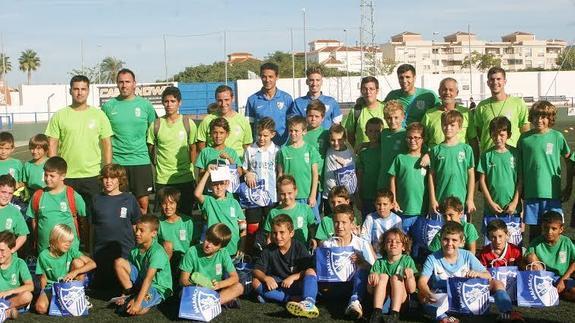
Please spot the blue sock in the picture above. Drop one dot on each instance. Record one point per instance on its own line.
(275, 295)
(359, 285)
(502, 301)
(309, 288)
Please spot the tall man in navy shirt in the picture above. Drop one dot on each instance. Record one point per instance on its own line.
(270, 102)
(314, 81)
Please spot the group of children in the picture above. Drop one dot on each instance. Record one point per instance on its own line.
(400, 179)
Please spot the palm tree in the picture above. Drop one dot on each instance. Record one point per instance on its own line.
(29, 61)
(5, 66)
(109, 68)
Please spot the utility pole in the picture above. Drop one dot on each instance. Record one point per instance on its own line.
(367, 37)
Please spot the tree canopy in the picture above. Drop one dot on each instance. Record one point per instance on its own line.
(482, 62)
(215, 72)
(566, 59)
(29, 62)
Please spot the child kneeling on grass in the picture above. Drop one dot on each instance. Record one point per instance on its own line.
(452, 261)
(61, 261)
(18, 289)
(284, 272)
(208, 264)
(145, 277)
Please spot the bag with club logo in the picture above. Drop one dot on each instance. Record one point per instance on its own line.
(254, 197)
(334, 264)
(513, 224)
(4, 307)
(68, 299)
(199, 304)
(508, 276)
(535, 288)
(346, 176)
(468, 296)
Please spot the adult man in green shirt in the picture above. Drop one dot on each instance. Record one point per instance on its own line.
(81, 135)
(500, 104)
(415, 100)
(240, 130)
(130, 116)
(448, 91)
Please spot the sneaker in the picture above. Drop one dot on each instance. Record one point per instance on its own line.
(391, 318)
(511, 317)
(449, 319)
(88, 303)
(354, 309)
(261, 299)
(376, 317)
(234, 303)
(303, 309)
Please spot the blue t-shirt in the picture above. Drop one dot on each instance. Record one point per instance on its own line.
(439, 270)
(112, 219)
(332, 111)
(258, 107)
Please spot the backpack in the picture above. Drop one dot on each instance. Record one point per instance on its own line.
(157, 122)
(71, 204)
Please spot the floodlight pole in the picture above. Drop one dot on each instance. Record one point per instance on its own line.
(165, 58)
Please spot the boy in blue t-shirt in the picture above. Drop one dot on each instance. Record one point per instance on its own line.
(451, 261)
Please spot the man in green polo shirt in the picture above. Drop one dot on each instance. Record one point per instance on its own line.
(416, 101)
(81, 135)
(500, 104)
(240, 130)
(130, 116)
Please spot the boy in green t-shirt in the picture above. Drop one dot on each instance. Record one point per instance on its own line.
(172, 148)
(337, 196)
(539, 153)
(146, 278)
(176, 233)
(33, 172)
(9, 165)
(301, 160)
(222, 207)
(318, 137)
(207, 264)
(10, 217)
(452, 168)
(219, 131)
(16, 285)
(368, 166)
(392, 141)
(452, 210)
(53, 207)
(301, 214)
(60, 262)
(556, 251)
(408, 180)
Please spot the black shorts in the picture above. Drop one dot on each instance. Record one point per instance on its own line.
(87, 187)
(140, 180)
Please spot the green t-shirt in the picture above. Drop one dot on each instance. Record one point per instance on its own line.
(79, 134)
(55, 268)
(415, 105)
(12, 220)
(539, 158)
(410, 184)
(500, 173)
(368, 164)
(34, 175)
(301, 215)
(213, 267)
(173, 164)
(240, 132)
(383, 266)
(450, 165)
(513, 108)
(227, 211)
(130, 120)
(54, 209)
(469, 234)
(210, 155)
(179, 233)
(15, 275)
(155, 257)
(432, 123)
(13, 167)
(318, 138)
(326, 228)
(557, 257)
(392, 143)
(357, 127)
(297, 162)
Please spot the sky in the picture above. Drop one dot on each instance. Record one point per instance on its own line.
(66, 33)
